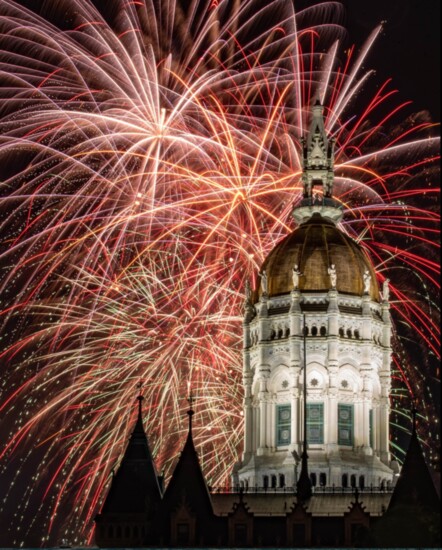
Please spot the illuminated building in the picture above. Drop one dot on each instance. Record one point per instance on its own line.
(314, 479)
(319, 277)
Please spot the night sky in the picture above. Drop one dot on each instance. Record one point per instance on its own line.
(408, 50)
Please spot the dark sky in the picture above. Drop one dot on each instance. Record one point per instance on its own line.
(409, 48)
(408, 51)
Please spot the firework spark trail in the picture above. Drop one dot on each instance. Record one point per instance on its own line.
(148, 172)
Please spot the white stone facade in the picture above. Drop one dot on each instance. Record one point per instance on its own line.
(348, 363)
(347, 356)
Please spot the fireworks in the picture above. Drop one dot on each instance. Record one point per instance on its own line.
(150, 163)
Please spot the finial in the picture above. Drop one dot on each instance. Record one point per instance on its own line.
(190, 412)
(139, 397)
(413, 417)
(190, 400)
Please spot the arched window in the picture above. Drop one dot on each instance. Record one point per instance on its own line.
(341, 332)
(287, 332)
(281, 480)
(272, 334)
(361, 482)
(314, 330)
(322, 479)
(323, 331)
(273, 482)
(313, 479)
(353, 480)
(344, 480)
(357, 334)
(265, 481)
(305, 331)
(119, 533)
(348, 333)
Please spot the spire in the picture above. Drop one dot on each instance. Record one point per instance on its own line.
(190, 413)
(413, 419)
(135, 486)
(317, 156)
(317, 171)
(415, 486)
(187, 479)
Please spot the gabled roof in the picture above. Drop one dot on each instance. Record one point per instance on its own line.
(135, 487)
(187, 482)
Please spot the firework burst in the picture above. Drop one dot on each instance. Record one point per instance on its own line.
(150, 163)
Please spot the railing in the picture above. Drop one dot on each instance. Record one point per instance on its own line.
(292, 490)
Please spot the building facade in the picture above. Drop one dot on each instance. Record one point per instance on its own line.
(318, 307)
(316, 378)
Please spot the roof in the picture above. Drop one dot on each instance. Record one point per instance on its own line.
(187, 480)
(319, 505)
(135, 487)
(313, 247)
(415, 486)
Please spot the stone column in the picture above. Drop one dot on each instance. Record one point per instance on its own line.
(333, 313)
(332, 435)
(366, 329)
(262, 398)
(270, 428)
(384, 418)
(383, 424)
(357, 424)
(295, 315)
(294, 402)
(367, 395)
(332, 364)
(248, 418)
(375, 428)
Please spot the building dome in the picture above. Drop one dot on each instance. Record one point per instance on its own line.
(314, 247)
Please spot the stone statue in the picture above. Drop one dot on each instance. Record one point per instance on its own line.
(295, 275)
(332, 273)
(367, 281)
(385, 290)
(248, 291)
(264, 282)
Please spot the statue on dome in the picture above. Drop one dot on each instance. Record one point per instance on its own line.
(264, 284)
(332, 274)
(248, 291)
(386, 290)
(295, 276)
(367, 281)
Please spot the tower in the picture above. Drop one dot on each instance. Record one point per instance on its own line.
(126, 518)
(320, 281)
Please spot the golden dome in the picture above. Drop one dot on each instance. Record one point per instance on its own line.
(314, 247)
